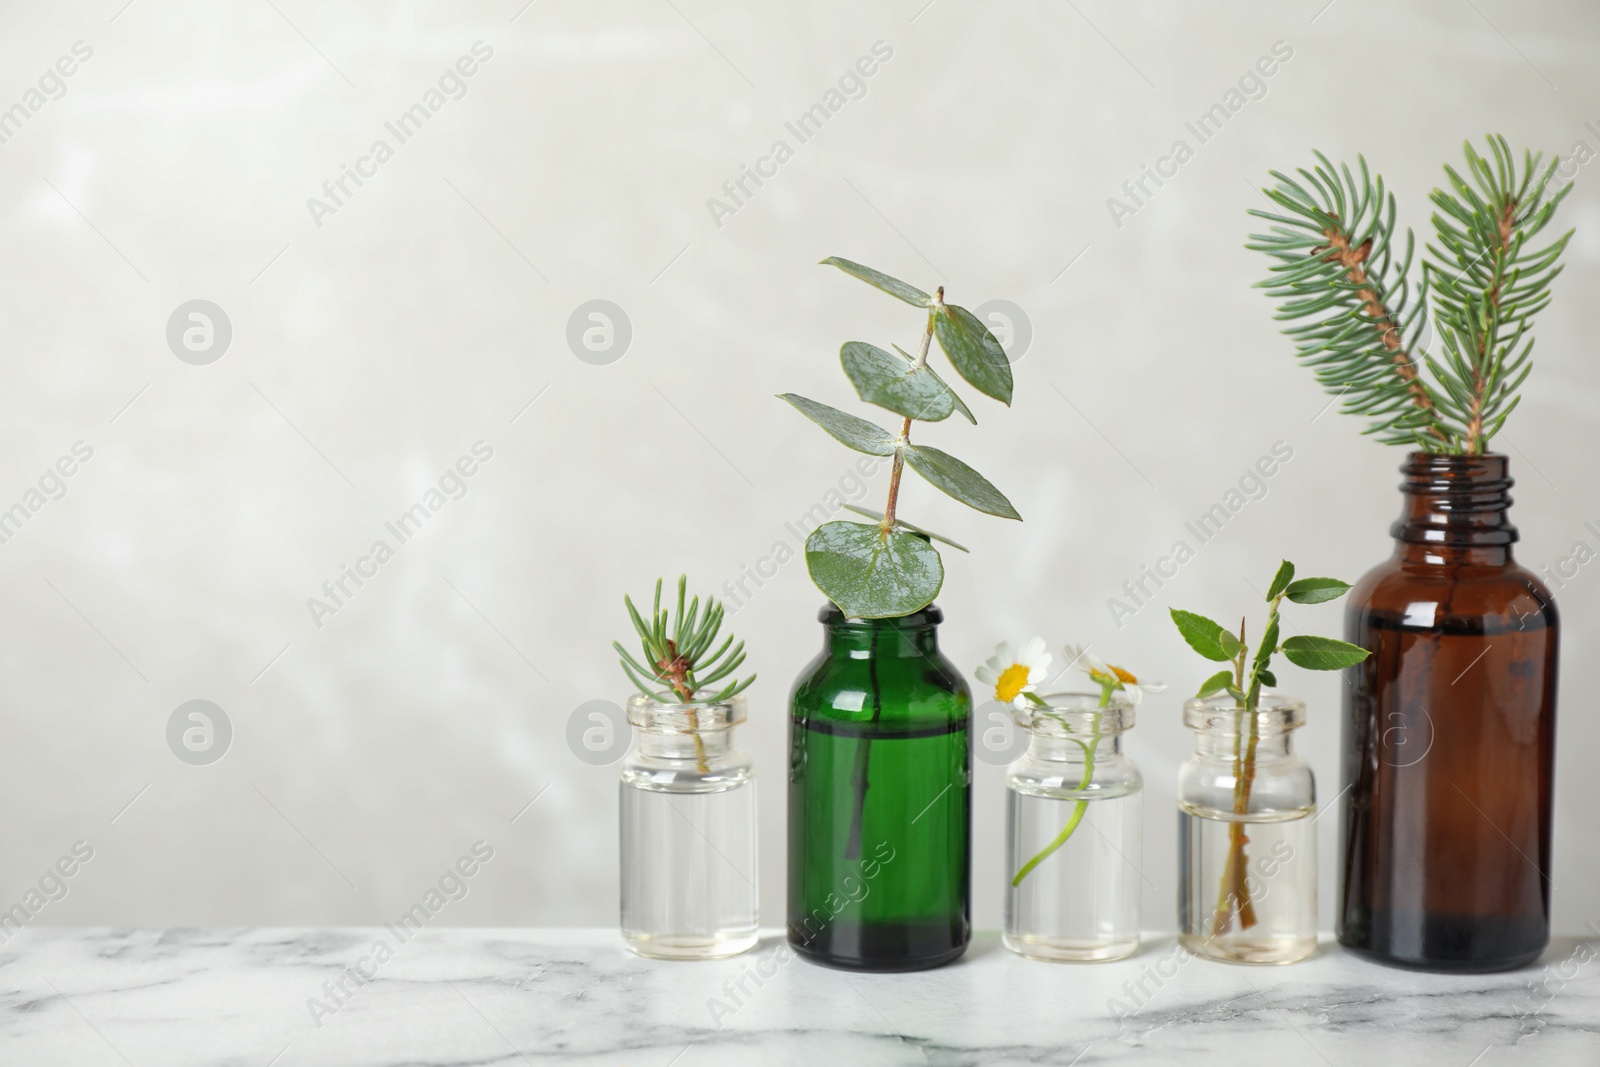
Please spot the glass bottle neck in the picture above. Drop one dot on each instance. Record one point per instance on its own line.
(1216, 744)
(910, 636)
(657, 745)
(1054, 748)
(1455, 509)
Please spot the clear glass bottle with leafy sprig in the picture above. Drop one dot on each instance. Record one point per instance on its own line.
(1246, 800)
(880, 768)
(688, 798)
(1073, 822)
(1454, 713)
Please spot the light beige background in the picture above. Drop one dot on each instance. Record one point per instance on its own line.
(372, 351)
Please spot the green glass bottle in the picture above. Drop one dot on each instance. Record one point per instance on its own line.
(880, 817)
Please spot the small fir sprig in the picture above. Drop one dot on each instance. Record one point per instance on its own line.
(1016, 680)
(677, 664)
(890, 568)
(1243, 681)
(1341, 277)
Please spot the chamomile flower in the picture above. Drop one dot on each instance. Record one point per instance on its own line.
(1016, 677)
(1109, 677)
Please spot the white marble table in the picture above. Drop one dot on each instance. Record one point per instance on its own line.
(247, 998)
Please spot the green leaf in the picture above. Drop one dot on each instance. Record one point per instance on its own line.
(959, 480)
(848, 430)
(960, 405)
(1268, 678)
(1230, 643)
(872, 576)
(1268, 645)
(1201, 633)
(1322, 653)
(1281, 580)
(974, 352)
(1316, 590)
(1215, 684)
(901, 523)
(896, 383)
(893, 286)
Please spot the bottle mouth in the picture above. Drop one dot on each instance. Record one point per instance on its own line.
(1076, 716)
(1221, 714)
(1434, 472)
(1456, 500)
(835, 619)
(648, 713)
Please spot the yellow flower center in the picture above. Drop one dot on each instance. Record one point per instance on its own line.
(1012, 679)
(1117, 678)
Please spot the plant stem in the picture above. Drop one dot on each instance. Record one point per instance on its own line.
(859, 780)
(894, 477)
(675, 670)
(852, 848)
(1378, 315)
(887, 527)
(1235, 885)
(1082, 807)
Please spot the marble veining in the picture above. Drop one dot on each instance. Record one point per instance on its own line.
(458, 997)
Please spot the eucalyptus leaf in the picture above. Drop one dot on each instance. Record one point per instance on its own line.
(973, 350)
(961, 405)
(1202, 634)
(871, 575)
(1215, 684)
(893, 286)
(1322, 653)
(899, 522)
(848, 430)
(1316, 590)
(959, 480)
(1281, 580)
(895, 382)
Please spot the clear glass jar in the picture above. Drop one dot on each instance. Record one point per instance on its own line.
(1247, 843)
(688, 804)
(1081, 900)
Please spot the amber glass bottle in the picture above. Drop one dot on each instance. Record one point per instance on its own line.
(1449, 734)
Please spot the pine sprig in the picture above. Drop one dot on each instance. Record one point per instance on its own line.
(1488, 284)
(676, 664)
(1337, 277)
(1336, 267)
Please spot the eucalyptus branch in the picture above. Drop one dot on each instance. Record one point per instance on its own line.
(890, 569)
(898, 466)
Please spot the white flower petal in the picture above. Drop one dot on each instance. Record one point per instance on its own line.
(1031, 650)
(986, 675)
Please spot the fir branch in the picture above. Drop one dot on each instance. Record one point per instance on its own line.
(1361, 332)
(1335, 266)
(1488, 284)
(674, 666)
